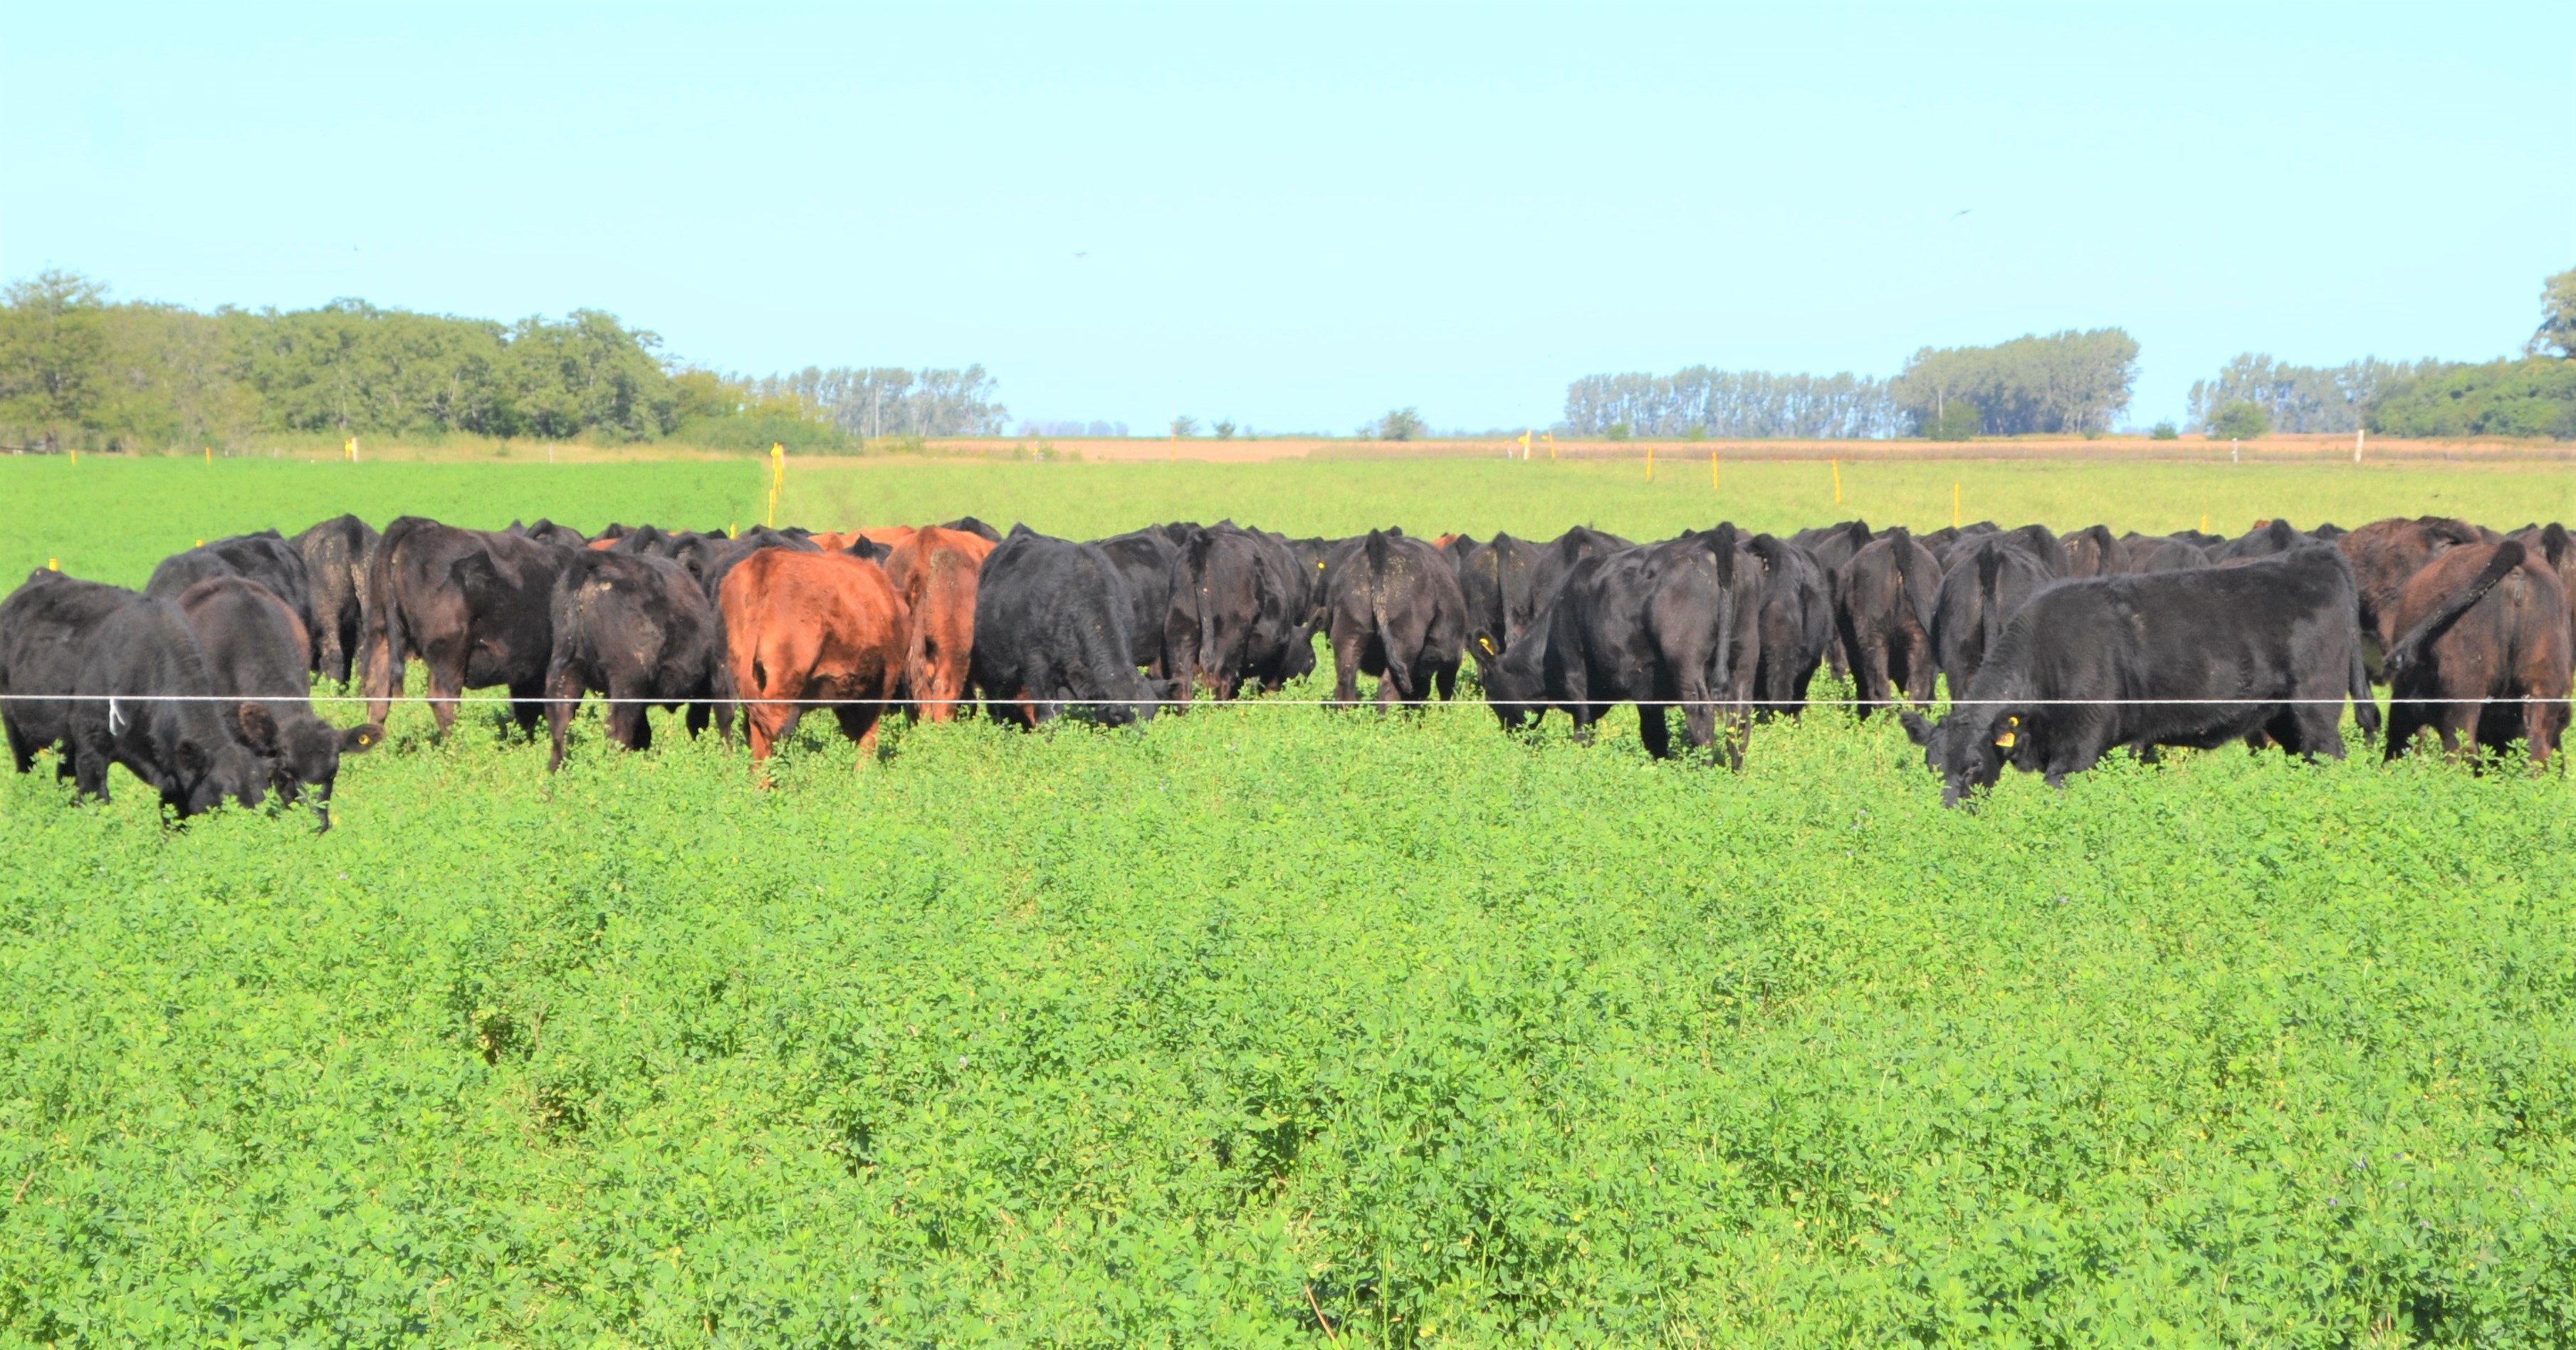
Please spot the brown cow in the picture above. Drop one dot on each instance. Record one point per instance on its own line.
(935, 571)
(2480, 622)
(2385, 555)
(805, 628)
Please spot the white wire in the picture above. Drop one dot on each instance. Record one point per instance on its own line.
(1257, 702)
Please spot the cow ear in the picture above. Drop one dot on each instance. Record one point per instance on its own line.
(1917, 730)
(359, 740)
(259, 728)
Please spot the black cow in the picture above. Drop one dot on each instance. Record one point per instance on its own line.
(2140, 553)
(1237, 612)
(2196, 658)
(708, 557)
(1150, 562)
(476, 606)
(1498, 579)
(146, 700)
(265, 557)
(1797, 624)
(1051, 634)
(254, 648)
(44, 626)
(1988, 579)
(2483, 657)
(1394, 611)
(546, 531)
(1313, 556)
(640, 630)
(1559, 555)
(1883, 603)
(335, 569)
(2264, 540)
(1832, 546)
(2091, 552)
(1675, 622)
(975, 527)
(648, 540)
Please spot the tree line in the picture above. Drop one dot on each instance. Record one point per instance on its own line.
(2064, 383)
(81, 370)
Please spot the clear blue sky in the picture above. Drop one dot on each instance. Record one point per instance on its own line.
(1301, 216)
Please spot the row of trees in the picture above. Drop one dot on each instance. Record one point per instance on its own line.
(2301, 398)
(1731, 403)
(2064, 383)
(80, 369)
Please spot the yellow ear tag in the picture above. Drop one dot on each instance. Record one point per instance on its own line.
(2005, 740)
(1487, 644)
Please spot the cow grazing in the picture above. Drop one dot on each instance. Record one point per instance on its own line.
(45, 625)
(1832, 546)
(145, 699)
(335, 568)
(2385, 555)
(935, 572)
(1989, 578)
(2194, 658)
(1884, 600)
(1395, 612)
(2091, 552)
(265, 557)
(1238, 612)
(253, 647)
(2479, 622)
(1051, 634)
(1149, 561)
(640, 630)
(1797, 624)
(1498, 580)
(1672, 623)
(476, 606)
(804, 629)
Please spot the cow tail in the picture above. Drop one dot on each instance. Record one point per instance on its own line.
(1200, 547)
(2410, 648)
(2365, 708)
(380, 626)
(1990, 566)
(1722, 543)
(2553, 544)
(916, 646)
(1376, 557)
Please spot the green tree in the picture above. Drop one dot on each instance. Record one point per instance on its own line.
(1401, 424)
(2557, 331)
(1185, 425)
(2241, 420)
(1954, 421)
(1224, 429)
(53, 344)
(2164, 431)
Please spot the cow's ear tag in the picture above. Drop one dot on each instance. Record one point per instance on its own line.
(2005, 740)
(1487, 644)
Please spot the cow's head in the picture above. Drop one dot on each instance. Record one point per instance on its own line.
(1970, 747)
(208, 774)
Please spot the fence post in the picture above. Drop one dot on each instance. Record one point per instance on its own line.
(1954, 506)
(2357, 434)
(1712, 471)
(1650, 461)
(1838, 482)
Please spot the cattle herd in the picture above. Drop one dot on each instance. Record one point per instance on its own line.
(2054, 649)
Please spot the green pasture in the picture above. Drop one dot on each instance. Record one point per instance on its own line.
(113, 518)
(1276, 1026)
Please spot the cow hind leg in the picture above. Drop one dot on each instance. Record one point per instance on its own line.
(564, 688)
(1655, 728)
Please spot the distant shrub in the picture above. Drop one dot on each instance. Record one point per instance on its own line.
(2164, 431)
(2239, 421)
(1618, 431)
(2535, 396)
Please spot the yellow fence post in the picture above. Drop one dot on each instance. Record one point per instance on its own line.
(1525, 446)
(1838, 482)
(1650, 461)
(1954, 506)
(777, 478)
(210, 455)
(2204, 522)
(1712, 471)
(1551, 447)
(53, 564)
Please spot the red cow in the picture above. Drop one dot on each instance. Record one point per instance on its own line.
(805, 628)
(935, 570)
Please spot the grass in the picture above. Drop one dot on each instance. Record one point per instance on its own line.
(1180, 1037)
